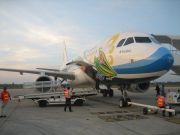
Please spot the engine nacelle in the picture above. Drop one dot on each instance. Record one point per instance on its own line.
(43, 83)
(139, 88)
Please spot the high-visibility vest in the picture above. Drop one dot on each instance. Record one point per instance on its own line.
(5, 96)
(161, 101)
(67, 93)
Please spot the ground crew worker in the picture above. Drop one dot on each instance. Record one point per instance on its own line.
(5, 97)
(67, 95)
(161, 101)
(157, 90)
(162, 92)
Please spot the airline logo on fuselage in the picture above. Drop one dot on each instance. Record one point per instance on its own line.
(104, 60)
(102, 65)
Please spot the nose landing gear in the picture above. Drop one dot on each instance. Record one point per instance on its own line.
(123, 102)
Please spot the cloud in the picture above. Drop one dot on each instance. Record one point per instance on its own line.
(38, 31)
(25, 53)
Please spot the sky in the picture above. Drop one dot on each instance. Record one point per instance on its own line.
(32, 32)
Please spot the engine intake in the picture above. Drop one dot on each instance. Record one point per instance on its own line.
(43, 83)
(139, 88)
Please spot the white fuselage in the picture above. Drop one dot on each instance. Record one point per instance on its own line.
(142, 58)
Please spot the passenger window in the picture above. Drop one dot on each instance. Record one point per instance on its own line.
(121, 43)
(129, 41)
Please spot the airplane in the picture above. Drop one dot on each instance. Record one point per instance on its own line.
(128, 61)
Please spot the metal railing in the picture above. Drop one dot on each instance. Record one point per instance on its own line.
(43, 86)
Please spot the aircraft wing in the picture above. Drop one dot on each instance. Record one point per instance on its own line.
(176, 69)
(173, 40)
(61, 74)
(80, 63)
(49, 69)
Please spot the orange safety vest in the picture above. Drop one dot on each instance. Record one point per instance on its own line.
(67, 93)
(5, 96)
(161, 101)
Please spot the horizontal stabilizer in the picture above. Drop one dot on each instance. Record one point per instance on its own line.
(80, 63)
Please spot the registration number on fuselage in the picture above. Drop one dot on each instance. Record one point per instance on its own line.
(124, 51)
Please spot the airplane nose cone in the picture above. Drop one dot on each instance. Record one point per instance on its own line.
(161, 60)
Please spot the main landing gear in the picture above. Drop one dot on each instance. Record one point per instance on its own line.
(108, 91)
(123, 102)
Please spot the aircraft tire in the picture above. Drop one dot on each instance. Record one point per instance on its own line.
(128, 100)
(169, 113)
(42, 103)
(78, 102)
(122, 103)
(163, 113)
(111, 93)
(105, 93)
(145, 110)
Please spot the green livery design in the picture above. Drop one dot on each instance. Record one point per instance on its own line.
(103, 66)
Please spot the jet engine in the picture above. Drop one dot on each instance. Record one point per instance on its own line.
(139, 88)
(43, 83)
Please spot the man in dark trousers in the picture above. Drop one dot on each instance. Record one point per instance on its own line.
(157, 90)
(162, 92)
(67, 95)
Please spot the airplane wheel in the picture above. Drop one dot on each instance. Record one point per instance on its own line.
(145, 110)
(111, 93)
(169, 107)
(105, 93)
(128, 100)
(42, 103)
(155, 111)
(170, 114)
(163, 113)
(78, 102)
(122, 103)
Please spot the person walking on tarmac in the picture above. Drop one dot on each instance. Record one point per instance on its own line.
(162, 92)
(157, 90)
(67, 95)
(161, 100)
(5, 97)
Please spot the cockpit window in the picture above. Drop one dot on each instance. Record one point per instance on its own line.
(130, 40)
(155, 41)
(142, 40)
(121, 43)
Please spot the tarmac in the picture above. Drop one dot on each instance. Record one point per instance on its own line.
(98, 116)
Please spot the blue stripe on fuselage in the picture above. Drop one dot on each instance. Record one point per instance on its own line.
(158, 61)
